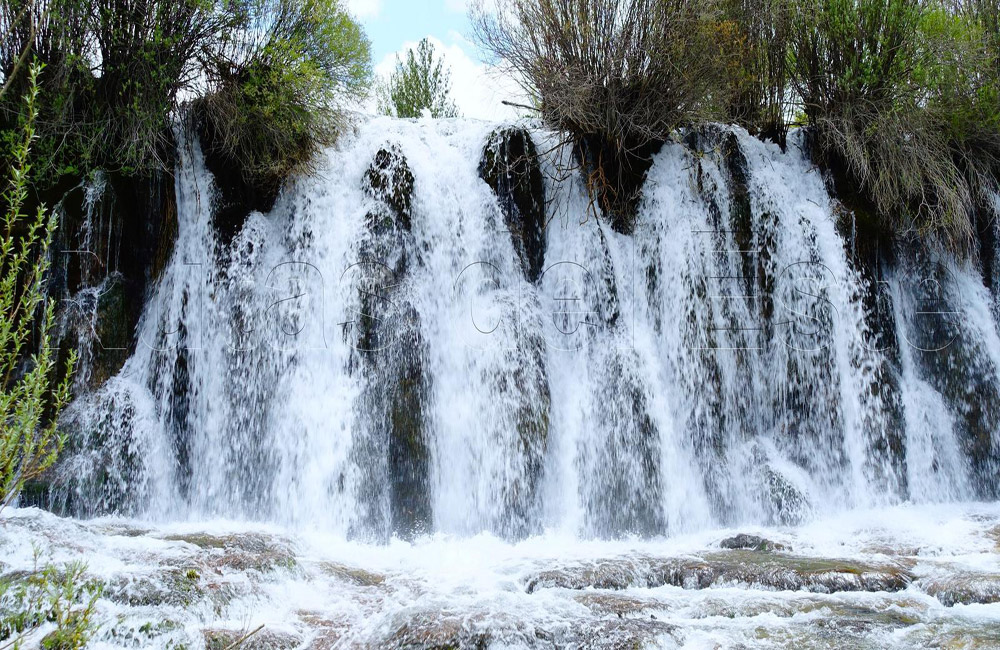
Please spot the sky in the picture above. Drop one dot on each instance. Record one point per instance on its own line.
(395, 26)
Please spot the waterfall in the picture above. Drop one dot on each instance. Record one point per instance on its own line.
(374, 356)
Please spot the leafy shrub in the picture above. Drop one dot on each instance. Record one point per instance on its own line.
(29, 405)
(117, 73)
(755, 42)
(865, 71)
(421, 84)
(63, 597)
(279, 95)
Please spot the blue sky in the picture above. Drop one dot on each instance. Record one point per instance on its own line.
(390, 23)
(393, 26)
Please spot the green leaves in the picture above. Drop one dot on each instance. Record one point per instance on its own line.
(31, 397)
(63, 596)
(119, 73)
(419, 84)
(280, 84)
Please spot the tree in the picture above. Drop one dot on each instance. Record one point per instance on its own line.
(29, 405)
(617, 76)
(420, 84)
(278, 91)
(118, 73)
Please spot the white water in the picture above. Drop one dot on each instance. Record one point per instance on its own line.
(446, 591)
(674, 403)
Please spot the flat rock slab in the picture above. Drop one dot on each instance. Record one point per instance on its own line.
(759, 569)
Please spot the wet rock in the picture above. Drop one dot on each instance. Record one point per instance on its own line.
(101, 467)
(135, 634)
(783, 503)
(111, 330)
(409, 457)
(953, 634)
(390, 181)
(751, 568)
(433, 631)
(744, 541)
(239, 189)
(754, 242)
(324, 632)
(179, 587)
(519, 382)
(954, 359)
(390, 355)
(994, 534)
(625, 485)
(606, 603)
(114, 232)
(242, 552)
(353, 575)
(619, 633)
(614, 173)
(962, 588)
(265, 639)
(509, 165)
(389, 352)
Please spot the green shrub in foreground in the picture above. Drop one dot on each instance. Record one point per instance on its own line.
(29, 404)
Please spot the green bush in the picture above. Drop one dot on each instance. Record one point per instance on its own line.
(117, 74)
(63, 597)
(29, 405)
(754, 41)
(883, 83)
(421, 84)
(283, 99)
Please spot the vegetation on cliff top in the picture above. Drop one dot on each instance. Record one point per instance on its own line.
(901, 96)
(270, 76)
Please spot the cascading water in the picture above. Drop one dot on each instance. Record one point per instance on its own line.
(372, 358)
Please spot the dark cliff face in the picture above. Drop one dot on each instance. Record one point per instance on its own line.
(510, 167)
(238, 193)
(116, 235)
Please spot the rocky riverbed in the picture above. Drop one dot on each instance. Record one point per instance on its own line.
(906, 577)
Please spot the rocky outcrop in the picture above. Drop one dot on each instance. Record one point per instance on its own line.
(390, 181)
(953, 358)
(746, 542)
(614, 173)
(625, 491)
(389, 348)
(237, 191)
(115, 236)
(509, 165)
(746, 568)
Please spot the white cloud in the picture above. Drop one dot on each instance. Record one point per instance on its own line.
(478, 89)
(362, 9)
(460, 6)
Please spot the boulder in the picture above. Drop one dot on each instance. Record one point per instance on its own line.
(390, 181)
(777, 571)
(509, 165)
(744, 541)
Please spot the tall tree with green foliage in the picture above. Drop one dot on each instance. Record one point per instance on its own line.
(278, 91)
(421, 83)
(29, 404)
(118, 73)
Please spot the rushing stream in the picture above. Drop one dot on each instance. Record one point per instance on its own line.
(380, 417)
